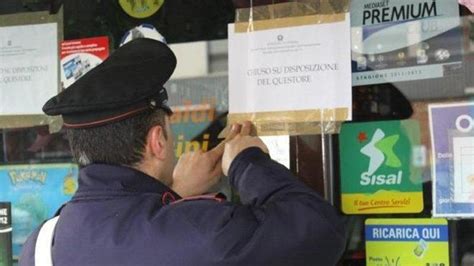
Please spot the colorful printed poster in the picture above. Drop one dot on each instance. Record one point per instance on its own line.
(28, 67)
(399, 40)
(80, 56)
(5, 234)
(379, 169)
(190, 124)
(283, 79)
(199, 106)
(36, 192)
(452, 140)
(199, 114)
(400, 242)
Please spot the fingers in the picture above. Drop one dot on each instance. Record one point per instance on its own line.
(217, 152)
(234, 131)
(246, 128)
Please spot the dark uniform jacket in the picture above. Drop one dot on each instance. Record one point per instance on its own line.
(120, 216)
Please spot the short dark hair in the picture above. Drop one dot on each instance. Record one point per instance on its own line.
(119, 143)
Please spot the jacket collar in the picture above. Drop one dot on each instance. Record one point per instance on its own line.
(104, 178)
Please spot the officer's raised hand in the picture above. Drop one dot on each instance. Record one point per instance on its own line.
(239, 143)
(196, 172)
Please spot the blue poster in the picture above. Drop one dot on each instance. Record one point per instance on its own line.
(36, 192)
(452, 137)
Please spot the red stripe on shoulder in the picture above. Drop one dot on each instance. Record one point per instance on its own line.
(219, 197)
(167, 198)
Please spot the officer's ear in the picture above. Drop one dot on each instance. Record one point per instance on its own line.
(156, 142)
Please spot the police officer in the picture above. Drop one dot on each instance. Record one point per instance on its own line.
(133, 208)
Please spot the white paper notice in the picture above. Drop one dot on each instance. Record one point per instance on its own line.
(294, 68)
(28, 67)
(279, 148)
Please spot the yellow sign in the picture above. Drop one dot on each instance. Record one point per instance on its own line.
(142, 8)
(383, 201)
(402, 242)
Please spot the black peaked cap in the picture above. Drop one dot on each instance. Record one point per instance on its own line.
(128, 82)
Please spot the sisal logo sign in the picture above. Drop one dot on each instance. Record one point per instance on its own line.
(377, 170)
(381, 155)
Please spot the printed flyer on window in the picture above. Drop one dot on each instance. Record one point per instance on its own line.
(36, 192)
(79, 56)
(452, 140)
(28, 67)
(283, 79)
